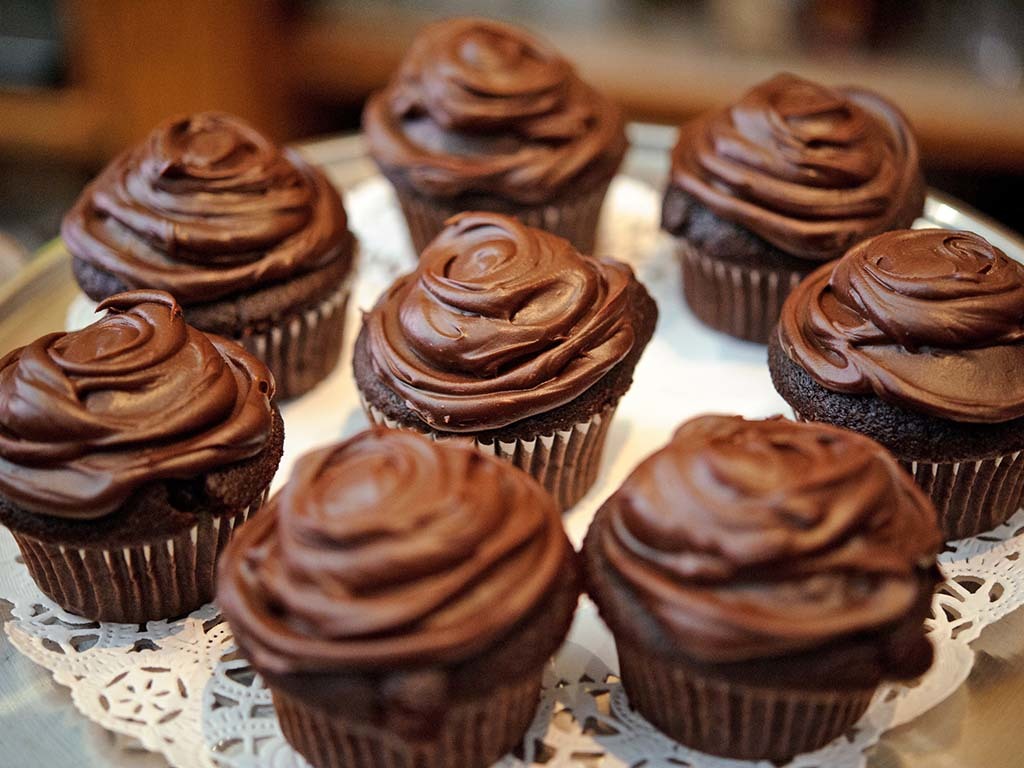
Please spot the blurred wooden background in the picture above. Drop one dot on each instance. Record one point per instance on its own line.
(80, 79)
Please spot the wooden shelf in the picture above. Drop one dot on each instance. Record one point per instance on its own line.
(68, 123)
(132, 63)
(267, 59)
(960, 123)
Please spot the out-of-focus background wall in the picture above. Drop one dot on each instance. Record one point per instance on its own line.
(80, 79)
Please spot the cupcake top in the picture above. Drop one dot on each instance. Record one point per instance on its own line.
(207, 207)
(810, 169)
(931, 320)
(755, 539)
(482, 107)
(499, 322)
(88, 417)
(390, 550)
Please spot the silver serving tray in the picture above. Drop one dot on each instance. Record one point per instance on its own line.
(978, 726)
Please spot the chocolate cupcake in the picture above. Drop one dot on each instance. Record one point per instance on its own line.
(130, 451)
(508, 337)
(763, 192)
(251, 240)
(482, 116)
(761, 578)
(915, 338)
(401, 599)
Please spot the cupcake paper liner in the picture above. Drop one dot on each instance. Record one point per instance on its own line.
(731, 719)
(132, 585)
(971, 496)
(565, 462)
(473, 734)
(302, 348)
(742, 301)
(574, 219)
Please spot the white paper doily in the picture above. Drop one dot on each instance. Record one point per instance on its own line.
(180, 689)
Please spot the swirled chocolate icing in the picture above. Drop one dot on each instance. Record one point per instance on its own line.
(481, 107)
(204, 208)
(810, 169)
(389, 550)
(931, 320)
(499, 322)
(755, 539)
(87, 417)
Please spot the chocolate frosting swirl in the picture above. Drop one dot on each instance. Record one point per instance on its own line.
(500, 322)
(754, 539)
(810, 169)
(931, 320)
(87, 417)
(390, 550)
(478, 106)
(207, 207)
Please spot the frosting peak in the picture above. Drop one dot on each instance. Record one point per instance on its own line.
(484, 76)
(932, 320)
(810, 169)
(389, 549)
(478, 106)
(206, 207)
(87, 417)
(753, 539)
(499, 322)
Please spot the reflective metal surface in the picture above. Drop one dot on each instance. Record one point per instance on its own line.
(982, 724)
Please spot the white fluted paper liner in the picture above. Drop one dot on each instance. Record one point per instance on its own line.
(157, 580)
(565, 461)
(302, 348)
(575, 219)
(476, 732)
(972, 496)
(202, 705)
(742, 301)
(726, 717)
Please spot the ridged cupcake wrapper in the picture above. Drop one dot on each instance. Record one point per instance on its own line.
(133, 585)
(470, 735)
(575, 219)
(971, 497)
(302, 348)
(742, 301)
(733, 720)
(565, 462)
